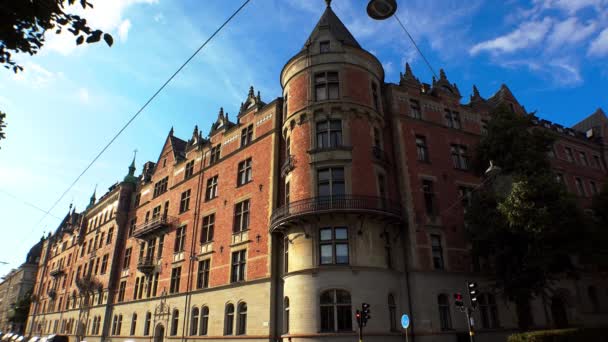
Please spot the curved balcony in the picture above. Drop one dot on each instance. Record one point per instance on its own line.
(57, 271)
(146, 265)
(154, 226)
(332, 204)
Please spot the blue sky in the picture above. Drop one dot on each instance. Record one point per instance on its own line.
(70, 100)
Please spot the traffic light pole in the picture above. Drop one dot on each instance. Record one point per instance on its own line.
(469, 314)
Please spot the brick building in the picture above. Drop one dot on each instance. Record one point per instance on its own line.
(276, 226)
(14, 288)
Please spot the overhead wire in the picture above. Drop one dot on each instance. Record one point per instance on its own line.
(29, 204)
(143, 107)
(416, 46)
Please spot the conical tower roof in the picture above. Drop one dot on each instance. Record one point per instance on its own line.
(329, 20)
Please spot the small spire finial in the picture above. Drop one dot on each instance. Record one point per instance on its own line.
(251, 93)
(328, 2)
(171, 131)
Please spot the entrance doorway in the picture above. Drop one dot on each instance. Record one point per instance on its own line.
(159, 333)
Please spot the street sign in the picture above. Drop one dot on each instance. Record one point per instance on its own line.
(405, 321)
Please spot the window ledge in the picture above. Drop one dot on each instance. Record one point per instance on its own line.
(242, 185)
(329, 149)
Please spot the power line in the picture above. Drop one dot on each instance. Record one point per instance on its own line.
(144, 106)
(29, 204)
(416, 46)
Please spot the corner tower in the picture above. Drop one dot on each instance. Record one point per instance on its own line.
(338, 219)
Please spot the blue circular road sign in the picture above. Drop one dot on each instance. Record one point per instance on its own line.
(405, 321)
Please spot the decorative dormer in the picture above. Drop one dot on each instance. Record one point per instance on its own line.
(252, 101)
(93, 198)
(443, 86)
(130, 177)
(222, 122)
(409, 77)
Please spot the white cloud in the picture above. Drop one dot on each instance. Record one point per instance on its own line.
(560, 71)
(388, 67)
(569, 31)
(83, 95)
(526, 35)
(106, 15)
(36, 76)
(570, 6)
(123, 30)
(159, 18)
(599, 46)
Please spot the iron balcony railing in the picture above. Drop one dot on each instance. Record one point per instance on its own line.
(56, 271)
(336, 203)
(288, 165)
(146, 264)
(152, 225)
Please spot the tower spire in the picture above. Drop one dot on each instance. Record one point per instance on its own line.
(130, 177)
(328, 2)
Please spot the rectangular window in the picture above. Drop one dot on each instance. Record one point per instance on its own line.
(180, 239)
(593, 188)
(569, 155)
(580, 187)
(375, 95)
(484, 127)
(238, 266)
(324, 46)
(452, 119)
(333, 242)
(132, 225)
(329, 134)
(429, 197)
(202, 281)
(422, 149)
(121, 291)
(110, 235)
(189, 169)
(287, 193)
(156, 213)
(104, 264)
(460, 158)
(175, 277)
(161, 243)
(211, 192)
(241, 217)
(327, 86)
(583, 157)
(207, 231)
(381, 186)
(161, 186)
(127, 259)
(415, 111)
(330, 182)
(136, 288)
(244, 172)
(151, 250)
(246, 135)
(215, 154)
(465, 193)
(437, 251)
(184, 203)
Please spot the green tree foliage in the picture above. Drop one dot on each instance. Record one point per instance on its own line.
(23, 25)
(524, 221)
(21, 308)
(2, 125)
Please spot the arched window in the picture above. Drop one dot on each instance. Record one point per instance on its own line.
(174, 322)
(242, 319)
(595, 304)
(204, 321)
(147, 324)
(336, 314)
(229, 320)
(392, 312)
(488, 311)
(445, 321)
(194, 322)
(133, 323)
(286, 315)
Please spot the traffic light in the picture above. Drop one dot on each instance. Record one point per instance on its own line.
(358, 317)
(365, 313)
(458, 301)
(473, 293)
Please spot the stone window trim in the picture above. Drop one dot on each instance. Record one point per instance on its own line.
(340, 321)
(336, 243)
(331, 165)
(326, 85)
